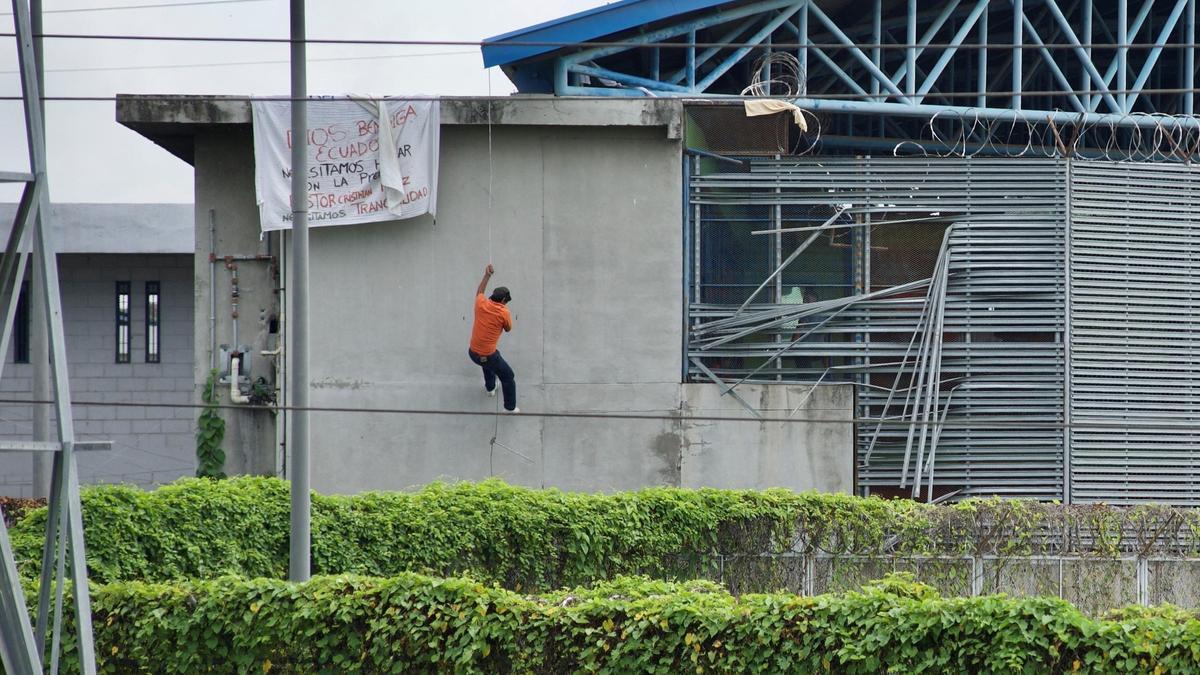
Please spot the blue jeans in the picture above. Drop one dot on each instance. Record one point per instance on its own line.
(495, 366)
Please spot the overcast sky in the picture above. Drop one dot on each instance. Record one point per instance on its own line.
(94, 159)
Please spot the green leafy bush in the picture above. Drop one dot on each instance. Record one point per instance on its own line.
(528, 539)
(201, 528)
(412, 623)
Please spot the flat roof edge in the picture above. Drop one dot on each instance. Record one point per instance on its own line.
(155, 115)
(181, 109)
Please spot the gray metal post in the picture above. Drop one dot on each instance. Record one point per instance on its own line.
(981, 69)
(1018, 38)
(1066, 336)
(39, 358)
(877, 38)
(18, 651)
(1122, 54)
(67, 478)
(298, 563)
(1189, 58)
(1085, 86)
(802, 86)
(48, 557)
(910, 53)
(69, 506)
(39, 348)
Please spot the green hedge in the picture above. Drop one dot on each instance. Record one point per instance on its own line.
(413, 623)
(522, 538)
(531, 540)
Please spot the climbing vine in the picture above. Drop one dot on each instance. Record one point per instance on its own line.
(210, 431)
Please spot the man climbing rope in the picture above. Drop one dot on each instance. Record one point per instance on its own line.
(492, 317)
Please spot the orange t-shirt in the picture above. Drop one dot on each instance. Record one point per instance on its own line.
(490, 319)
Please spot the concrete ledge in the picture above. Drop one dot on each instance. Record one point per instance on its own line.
(572, 112)
(814, 455)
(172, 120)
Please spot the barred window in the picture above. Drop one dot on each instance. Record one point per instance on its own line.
(122, 307)
(21, 326)
(153, 330)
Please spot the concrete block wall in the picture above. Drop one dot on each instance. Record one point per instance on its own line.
(151, 446)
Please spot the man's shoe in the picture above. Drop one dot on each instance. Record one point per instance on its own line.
(490, 392)
(514, 410)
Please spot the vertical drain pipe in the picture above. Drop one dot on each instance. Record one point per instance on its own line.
(281, 382)
(234, 300)
(212, 289)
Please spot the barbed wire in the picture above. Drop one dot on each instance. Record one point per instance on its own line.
(785, 75)
(1137, 136)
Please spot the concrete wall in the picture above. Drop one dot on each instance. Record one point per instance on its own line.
(585, 232)
(810, 453)
(585, 228)
(150, 445)
(226, 224)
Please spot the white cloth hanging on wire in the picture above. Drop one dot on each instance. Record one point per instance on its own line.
(770, 106)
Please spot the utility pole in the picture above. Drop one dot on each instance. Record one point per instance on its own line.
(299, 567)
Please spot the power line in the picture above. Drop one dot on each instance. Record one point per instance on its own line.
(977, 423)
(776, 46)
(166, 5)
(236, 63)
(686, 97)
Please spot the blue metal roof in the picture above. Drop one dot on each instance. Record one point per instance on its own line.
(585, 26)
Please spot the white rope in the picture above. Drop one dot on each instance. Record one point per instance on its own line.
(496, 427)
(490, 172)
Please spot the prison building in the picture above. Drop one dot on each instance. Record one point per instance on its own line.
(959, 261)
(985, 225)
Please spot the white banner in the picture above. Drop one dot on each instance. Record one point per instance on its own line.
(367, 161)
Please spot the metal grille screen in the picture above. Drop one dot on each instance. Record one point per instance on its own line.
(1135, 340)
(938, 287)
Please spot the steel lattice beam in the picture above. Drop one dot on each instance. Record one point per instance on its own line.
(992, 79)
(21, 650)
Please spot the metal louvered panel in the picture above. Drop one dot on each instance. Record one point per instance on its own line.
(999, 351)
(1054, 304)
(994, 368)
(1135, 360)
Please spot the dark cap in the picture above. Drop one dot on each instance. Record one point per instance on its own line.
(501, 294)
